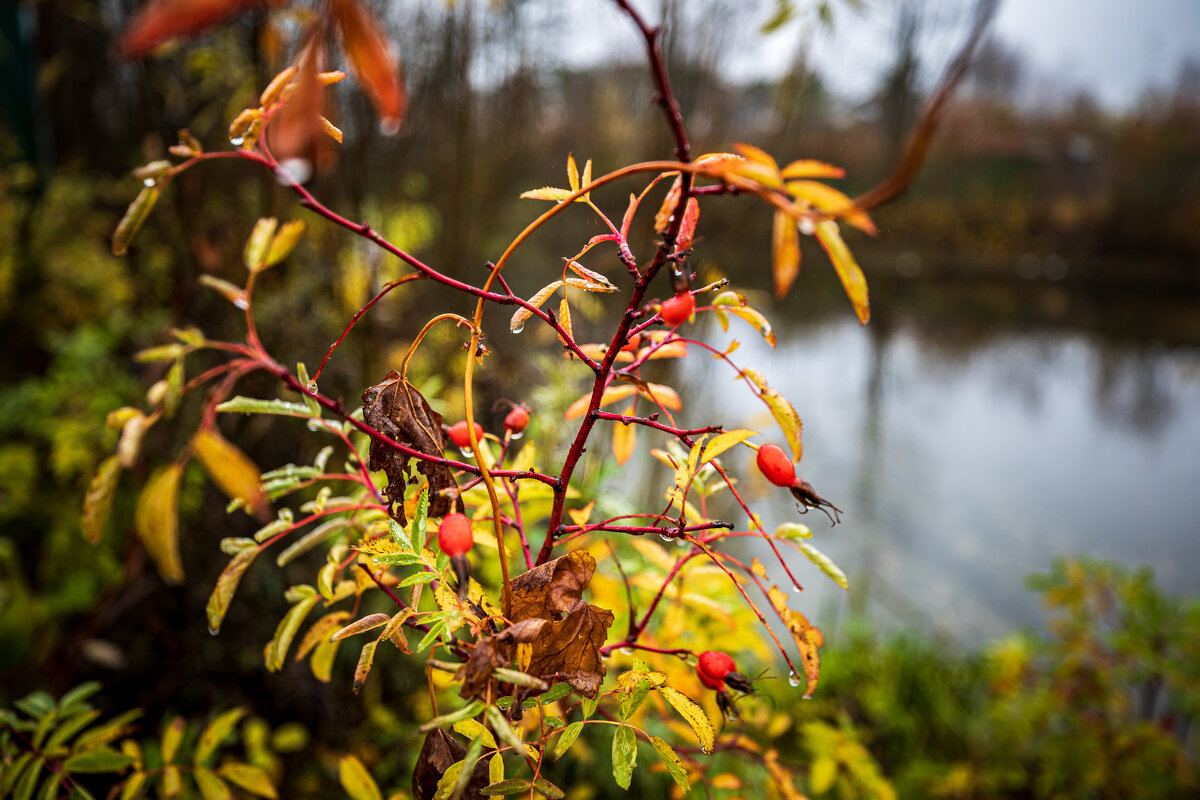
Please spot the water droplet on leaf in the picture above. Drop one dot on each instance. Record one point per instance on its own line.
(148, 182)
(312, 387)
(237, 141)
(519, 328)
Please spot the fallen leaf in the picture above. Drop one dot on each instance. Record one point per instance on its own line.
(440, 752)
(495, 651)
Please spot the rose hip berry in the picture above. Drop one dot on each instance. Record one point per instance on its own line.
(516, 420)
(715, 665)
(459, 434)
(678, 308)
(454, 534)
(775, 465)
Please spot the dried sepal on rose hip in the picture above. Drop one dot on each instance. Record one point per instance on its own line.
(677, 309)
(455, 539)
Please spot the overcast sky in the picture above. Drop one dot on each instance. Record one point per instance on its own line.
(1112, 48)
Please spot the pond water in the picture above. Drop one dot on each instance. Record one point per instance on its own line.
(964, 466)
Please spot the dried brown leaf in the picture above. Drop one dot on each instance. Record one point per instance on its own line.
(397, 410)
(568, 648)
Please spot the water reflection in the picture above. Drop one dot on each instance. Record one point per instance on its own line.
(964, 468)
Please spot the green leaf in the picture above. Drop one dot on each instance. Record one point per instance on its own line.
(420, 517)
(667, 755)
(133, 786)
(76, 699)
(435, 630)
(68, 728)
(215, 733)
(134, 217)
(255, 405)
(251, 778)
(445, 720)
(693, 714)
(114, 729)
(210, 785)
(568, 737)
(544, 786)
(556, 692)
(10, 775)
(825, 564)
(506, 787)
(824, 773)
(28, 782)
(502, 728)
(415, 578)
(624, 755)
(496, 768)
(793, 530)
(50, 787)
(466, 768)
(100, 759)
(399, 535)
(355, 779)
(589, 705)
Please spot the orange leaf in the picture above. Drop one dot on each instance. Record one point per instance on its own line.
(612, 394)
(847, 268)
(161, 20)
(687, 229)
(624, 438)
(829, 200)
(785, 253)
(808, 168)
(229, 468)
(757, 154)
(374, 62)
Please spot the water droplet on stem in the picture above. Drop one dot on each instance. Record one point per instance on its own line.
(793, 678)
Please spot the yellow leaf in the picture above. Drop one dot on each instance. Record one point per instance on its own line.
(757, 155)
(572, 173)
(612, 394)
(780, 776)
(846, 267)
(171, 739)
(564, 318)
(547, 193)
(275, 87)
(211, 787)
(693, 714)
(587, 178)
(258, 242)
(286, 239)
(591, 286)
(662, 395)
(580, 516)
(624, 438)
(788, 419)
(367, 623)
(589, 275)
(785, 253)
(98, 501)
(734, 303)
(518, 319)
(157, 522)
(251, 778)
(829, 200)
(809, 168)
(723, 441)
(229, 468)
(227, 583)
(365, 658)
(663, 218)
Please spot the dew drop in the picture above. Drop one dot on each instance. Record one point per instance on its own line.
(315, 425)
(793, 678)
(806, 697)
(467, 452)
(796, 589)
(241, 303)
(148, 182)
(389, 126)
(212, 631)
(519, 328)
(516, 435)
(665, 537)
(237, 141)
(731, 715)
(628, 651)
(312, 387)
(807, 227)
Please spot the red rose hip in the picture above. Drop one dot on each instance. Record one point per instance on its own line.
(678, 308)
(454, 534)
(775, 465)
(715, 665)
(516, 420)
(461, 436)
